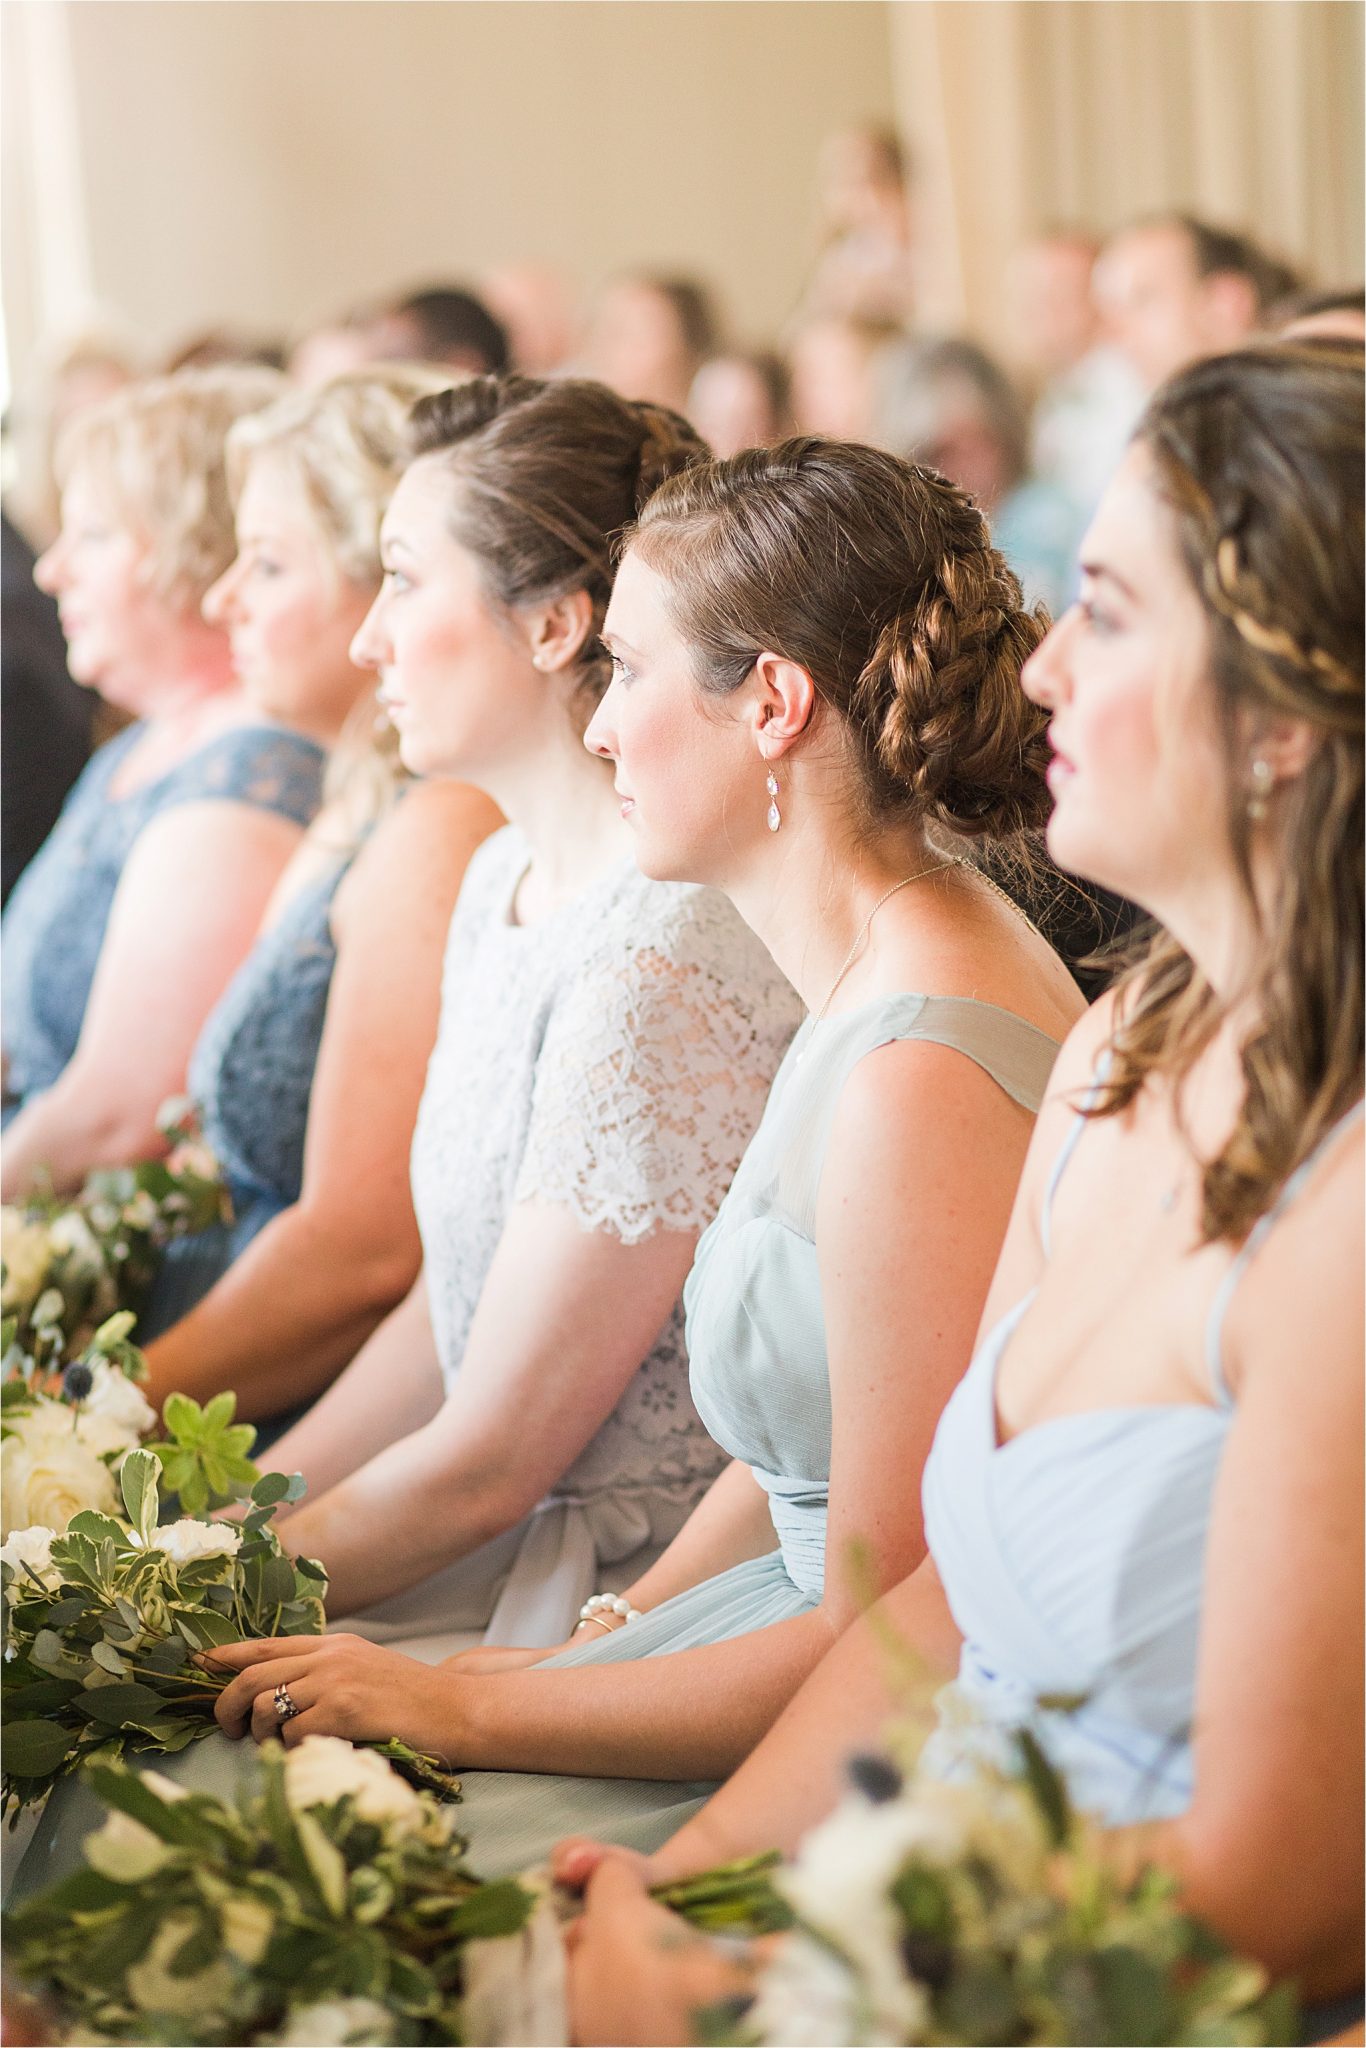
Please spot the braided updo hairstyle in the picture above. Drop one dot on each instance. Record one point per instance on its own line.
(1259, 458)
(547, 473)
(880, 579)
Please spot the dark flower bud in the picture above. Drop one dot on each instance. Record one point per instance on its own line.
(876, 1777)
(77, 1381)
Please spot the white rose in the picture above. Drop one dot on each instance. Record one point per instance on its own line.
(332, 2022)
(840, 1883)
(26, 1255)
(72, 1238)
(185, 1541)
(32, 1547)
(125, 1850)
(807, 1997)
(118, 1404)
(48, 1473)
(323, 1768)
(152, 1987)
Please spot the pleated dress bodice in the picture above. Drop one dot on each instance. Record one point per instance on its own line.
(760, 1366)
(1073, 1559)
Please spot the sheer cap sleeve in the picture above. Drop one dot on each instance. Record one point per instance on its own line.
(655, 1066)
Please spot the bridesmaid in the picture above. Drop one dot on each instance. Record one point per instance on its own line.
(521, 1425)
(313, 1129)
(127, 926)
(815, 706)
(1148, 1488)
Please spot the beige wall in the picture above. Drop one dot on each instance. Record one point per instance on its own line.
(1092, 110)
(267, 161)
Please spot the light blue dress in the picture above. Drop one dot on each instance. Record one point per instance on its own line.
(55, 921)
(1073, 1560)
(760, 1380)
(251, 1075)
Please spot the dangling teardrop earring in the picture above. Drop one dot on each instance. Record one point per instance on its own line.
(775, 818)
(1263, 782)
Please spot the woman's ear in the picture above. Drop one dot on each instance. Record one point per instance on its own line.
(783, 700)
(1287, 745)
(559, 630)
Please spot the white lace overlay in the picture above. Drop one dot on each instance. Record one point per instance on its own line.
(612, 1060)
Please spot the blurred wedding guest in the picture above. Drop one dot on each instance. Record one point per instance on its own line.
(216, 346)
(535, 306)
(1172, 288)
(648, 335)
(44, 716)
(833, 363)
(1087, 395)
(126, 927)
(741, 400)
(82, 373)
(335, 347)
(1335, 315)
(865, 267)
(313, 1131)
(445, 324)
(947, 405)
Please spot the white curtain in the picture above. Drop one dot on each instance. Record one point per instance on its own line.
(1030, 112)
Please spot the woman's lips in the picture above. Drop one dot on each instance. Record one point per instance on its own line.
(1060, 773)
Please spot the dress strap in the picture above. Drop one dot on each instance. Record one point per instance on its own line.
(1080, 1119)
(1261, 1229)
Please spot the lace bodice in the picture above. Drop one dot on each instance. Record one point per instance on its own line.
(252, 1069)
(612, 1060)
(55, 921)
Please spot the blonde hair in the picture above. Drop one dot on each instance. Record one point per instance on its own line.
(346, 445)
(157, 450)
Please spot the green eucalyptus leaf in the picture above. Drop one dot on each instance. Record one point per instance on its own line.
(33, 1749)
(121, 1706)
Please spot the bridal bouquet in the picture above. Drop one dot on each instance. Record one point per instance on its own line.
(63, 1437)
(330, 1904)
(68, 1264)
(101, 1624)
(972, 1911)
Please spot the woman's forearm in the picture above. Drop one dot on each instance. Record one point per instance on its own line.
(730, 1523)
(289, 1313)
(691, 1714)
(796, 1774)
(73, 1127)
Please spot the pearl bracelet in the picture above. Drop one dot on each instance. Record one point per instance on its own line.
(608, 1603)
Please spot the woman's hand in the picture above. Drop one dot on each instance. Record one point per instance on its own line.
(341, 1685)
(637, 1973)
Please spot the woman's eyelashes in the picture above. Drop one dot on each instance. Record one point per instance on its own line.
(1097, 619)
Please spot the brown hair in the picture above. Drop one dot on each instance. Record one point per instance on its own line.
(880, 579)
(549, 471)
(1259, 456)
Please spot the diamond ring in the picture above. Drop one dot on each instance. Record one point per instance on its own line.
(285, 1708)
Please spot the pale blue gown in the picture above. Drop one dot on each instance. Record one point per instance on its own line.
(1073, 1560)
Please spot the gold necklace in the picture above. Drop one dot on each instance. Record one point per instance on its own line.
(866, 926)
